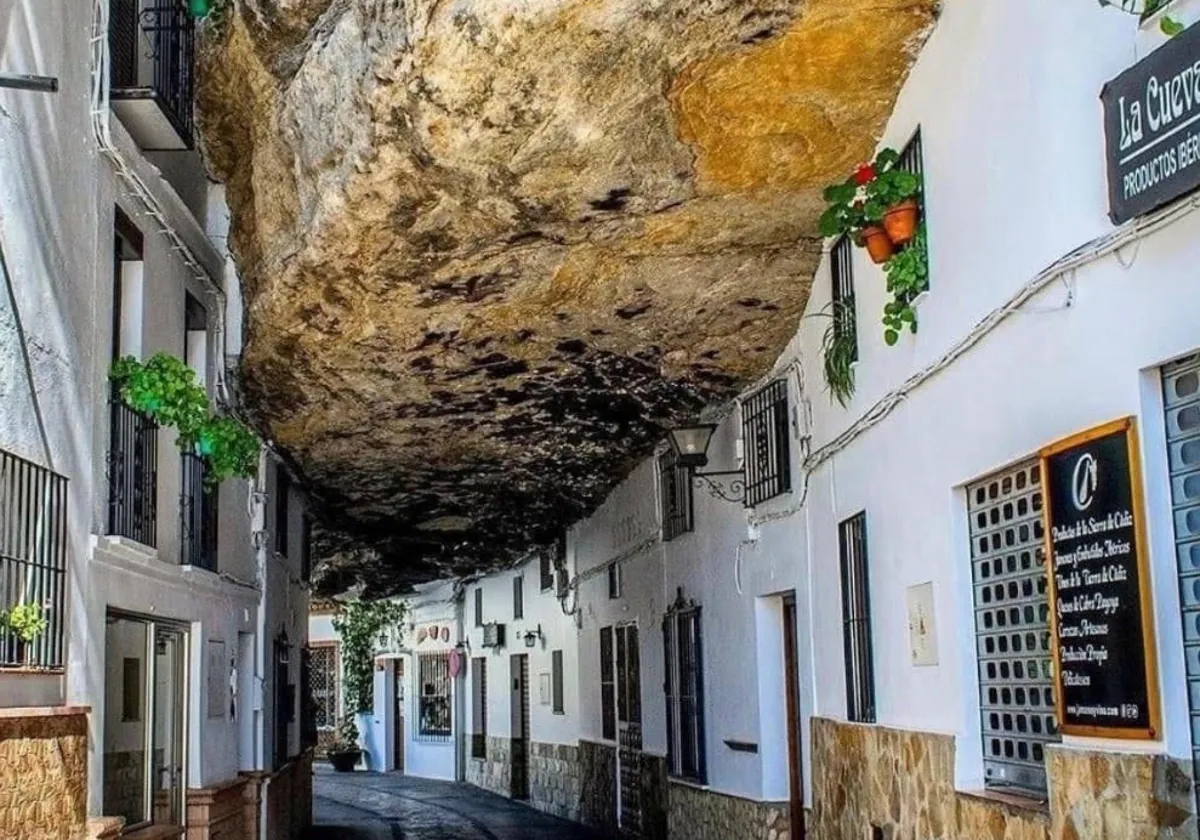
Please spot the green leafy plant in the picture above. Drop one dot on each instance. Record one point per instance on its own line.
(27, 621)
(165, 389)
(907, 276)
(839, 350)
(364, 627)
(345, 737)
(1146, 8)
(863, 198)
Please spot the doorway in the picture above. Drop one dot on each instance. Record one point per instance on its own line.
(791, 667)
(629, 729)
(398, 715)
(145, 722)
(519, 665)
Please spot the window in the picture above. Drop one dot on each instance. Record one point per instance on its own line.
(841, 272)
(306, 528)
(556, 682)
(324, 686)
(608, 686)
(614, 580)
(479, 606)
(1012, 627)
(675, 492)
(283, 485)
(684, 688)
(547, 569)
(519, 597)
(765, 432)
(479, 707)
(912, 159)
(856, 620)
(433, 674)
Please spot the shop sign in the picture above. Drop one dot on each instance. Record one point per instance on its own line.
(1101, 612)
(1152, 128)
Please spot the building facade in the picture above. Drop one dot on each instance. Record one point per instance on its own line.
(962, 604)
(169, 665)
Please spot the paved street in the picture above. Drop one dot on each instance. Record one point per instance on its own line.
(372, 806)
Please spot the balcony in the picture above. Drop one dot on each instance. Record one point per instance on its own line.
(132, 475)
(197, 517)
(33, 562)
(152, 44)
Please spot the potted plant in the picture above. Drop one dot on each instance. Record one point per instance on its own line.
(839, 350)
(907, 276)
(27, 621)
(344, 752)
(891, 196)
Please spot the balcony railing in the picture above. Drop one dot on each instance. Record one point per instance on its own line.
(33, 559)
(197, 517)
(132, 475)
(152, 46)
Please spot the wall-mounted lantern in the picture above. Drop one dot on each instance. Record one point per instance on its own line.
(690, 446)
(533, 637)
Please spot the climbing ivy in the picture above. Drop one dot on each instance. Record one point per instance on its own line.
(364, 627)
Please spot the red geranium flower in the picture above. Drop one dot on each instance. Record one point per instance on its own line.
(865, 174)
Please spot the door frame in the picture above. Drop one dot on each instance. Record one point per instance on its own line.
(149, 679)
(795, 740)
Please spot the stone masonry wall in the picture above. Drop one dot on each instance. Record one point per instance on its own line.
(493, 773)
(43, 775)
(902, 783)
(598, 785)
(699, 814)
(554, 779)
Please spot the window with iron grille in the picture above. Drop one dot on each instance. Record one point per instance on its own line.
(912, 159)
(765, 433)
(546, 569)
(519, 597)
(479, 707)
(283, 486)
(856, 620)
(433, 675)
(324, 686)
(684, 687)
(306, 529)
(1012, 627)
(33, 558)
(479, 606)
(614, 581)
(675, 494)
(197, 515)
(841, 270)
(556, 681)
(608, 686)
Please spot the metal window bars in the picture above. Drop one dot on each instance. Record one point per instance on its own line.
(132, 474)
(33, 559)
(433, 673)
(841, 270)
(856, 620)
(197, 516)
(765, 433)
(675, 492)
(153, 48)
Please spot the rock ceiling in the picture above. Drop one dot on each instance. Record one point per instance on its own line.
(492, 249)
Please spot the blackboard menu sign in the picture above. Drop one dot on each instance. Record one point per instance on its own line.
(1100, 606)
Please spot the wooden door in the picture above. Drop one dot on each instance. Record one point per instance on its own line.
(792, 687)
(519, 666)
(629, 730)
(398, 716)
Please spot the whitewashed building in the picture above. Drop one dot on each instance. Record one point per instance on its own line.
(164, 689)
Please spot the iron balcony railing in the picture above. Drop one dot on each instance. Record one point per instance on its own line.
(197, 516)
(132, 475)
(33, 560)
(152, 45)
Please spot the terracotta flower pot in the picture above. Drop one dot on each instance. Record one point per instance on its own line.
(900, 221)
(878, 245)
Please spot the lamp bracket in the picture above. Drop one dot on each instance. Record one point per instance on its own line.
(729, 485)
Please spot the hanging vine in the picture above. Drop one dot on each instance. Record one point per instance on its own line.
(364, 627)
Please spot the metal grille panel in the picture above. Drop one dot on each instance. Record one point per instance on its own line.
(197, 516)
(842, 274)
(132, 474)
(433, 673)
(324, 678)
(856, 620)
(479, 736)
(765, 432)
(1181, 393)
(675, 486)
(1012, 627)
(33, 558)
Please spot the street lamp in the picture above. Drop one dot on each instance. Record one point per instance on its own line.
(690, 446)
(533, 636)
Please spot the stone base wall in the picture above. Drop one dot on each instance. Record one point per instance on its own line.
(598, 785)
(900, 784)
(554, 785)
(43, 773)
(699, 814)
(493, 773)
(218, 812)
(286, 796)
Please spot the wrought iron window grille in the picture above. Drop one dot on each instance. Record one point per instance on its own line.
(198, 506)
(132, 474)
(153, 49)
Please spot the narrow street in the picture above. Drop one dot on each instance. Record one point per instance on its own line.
(390, 806)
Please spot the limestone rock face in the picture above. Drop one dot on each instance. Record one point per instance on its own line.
(491, 250)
